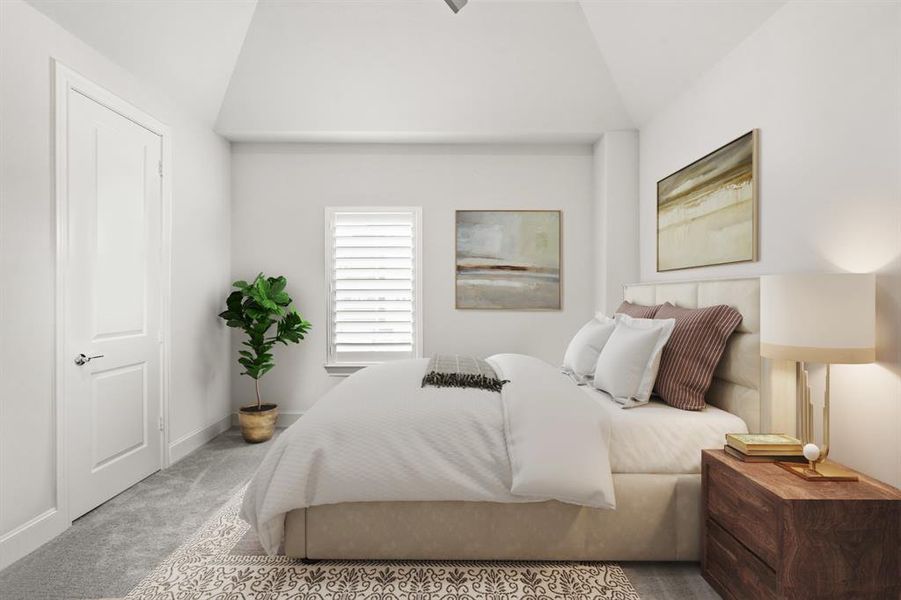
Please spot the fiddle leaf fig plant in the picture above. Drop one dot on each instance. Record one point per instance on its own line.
(254, 308)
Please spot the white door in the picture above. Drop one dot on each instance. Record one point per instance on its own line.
(112, 394)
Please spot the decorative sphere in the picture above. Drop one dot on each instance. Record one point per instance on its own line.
(811, 452)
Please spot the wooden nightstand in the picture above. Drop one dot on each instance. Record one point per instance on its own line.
(770, 534)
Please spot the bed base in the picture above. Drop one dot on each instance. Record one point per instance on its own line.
(658, 517)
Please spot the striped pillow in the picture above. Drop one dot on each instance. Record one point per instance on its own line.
(692, 353)
(638, 311)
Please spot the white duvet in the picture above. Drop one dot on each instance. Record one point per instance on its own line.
(380, 436)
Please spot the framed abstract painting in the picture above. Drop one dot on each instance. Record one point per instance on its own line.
(508, 259)
(707, 211)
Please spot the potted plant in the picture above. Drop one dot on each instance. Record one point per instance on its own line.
(255, 308)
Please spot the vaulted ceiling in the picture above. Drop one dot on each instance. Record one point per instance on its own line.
(408, 68)
(186, 48)
(654, 50)
(333, 70)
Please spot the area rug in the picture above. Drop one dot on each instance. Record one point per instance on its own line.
(207, 566)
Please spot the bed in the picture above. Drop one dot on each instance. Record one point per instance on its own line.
(654, 460)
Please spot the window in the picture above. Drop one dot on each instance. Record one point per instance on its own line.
(372, 267)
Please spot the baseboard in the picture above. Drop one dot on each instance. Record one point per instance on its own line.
(186, 444)
(285, 419)
(28, 537)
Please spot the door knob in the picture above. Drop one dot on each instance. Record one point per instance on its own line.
(83, 359)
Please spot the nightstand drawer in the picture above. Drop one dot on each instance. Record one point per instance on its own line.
(744, 510)
(737, 571)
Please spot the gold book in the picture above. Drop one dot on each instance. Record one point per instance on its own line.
(773, 444)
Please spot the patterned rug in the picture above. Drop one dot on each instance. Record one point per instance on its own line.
(211, 565)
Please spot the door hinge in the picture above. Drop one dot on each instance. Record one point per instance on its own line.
(161, 423)
(161, 168)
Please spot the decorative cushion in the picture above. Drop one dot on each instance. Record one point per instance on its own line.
(693, 352)
(628, 362)
(637, 311)
(582, 353)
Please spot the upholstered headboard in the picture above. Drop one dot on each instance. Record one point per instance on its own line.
(743, 384)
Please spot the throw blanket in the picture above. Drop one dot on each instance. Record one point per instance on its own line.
(453, 370)
(380, 436)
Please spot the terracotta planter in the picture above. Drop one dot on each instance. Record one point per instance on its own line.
(257, 426)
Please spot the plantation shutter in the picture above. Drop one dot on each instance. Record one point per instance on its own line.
(372, 288)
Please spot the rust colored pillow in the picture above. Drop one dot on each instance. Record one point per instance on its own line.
(638, 311)
(692, 353)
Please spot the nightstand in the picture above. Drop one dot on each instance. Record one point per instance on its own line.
(770, 534)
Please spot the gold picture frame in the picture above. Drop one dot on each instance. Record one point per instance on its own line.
(707, 211)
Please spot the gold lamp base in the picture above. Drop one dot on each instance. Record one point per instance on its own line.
(817, 469)
(824, 471)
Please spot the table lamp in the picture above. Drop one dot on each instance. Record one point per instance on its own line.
(827, 318)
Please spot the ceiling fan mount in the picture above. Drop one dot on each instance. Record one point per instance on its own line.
(456, 5)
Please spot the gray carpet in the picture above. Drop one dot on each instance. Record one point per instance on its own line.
(108, 551)
(668, 581)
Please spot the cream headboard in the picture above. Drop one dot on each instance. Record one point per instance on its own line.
(744, 384)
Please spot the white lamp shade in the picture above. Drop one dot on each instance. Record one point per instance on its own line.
(820, 318)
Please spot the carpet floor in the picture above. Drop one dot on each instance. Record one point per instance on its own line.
(109, 551)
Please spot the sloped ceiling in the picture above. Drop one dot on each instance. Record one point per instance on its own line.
(402, 70)
(655, 49)
(407, 70)
(185, 48)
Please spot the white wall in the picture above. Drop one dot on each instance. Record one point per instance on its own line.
(279, 194)
(615, 216)
(28, 41)
(822, 82)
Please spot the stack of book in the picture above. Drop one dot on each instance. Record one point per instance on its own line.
(764, 447)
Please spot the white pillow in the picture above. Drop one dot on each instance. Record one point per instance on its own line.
(627, 365)
(582, 353)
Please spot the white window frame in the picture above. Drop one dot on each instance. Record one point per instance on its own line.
(343, 369)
